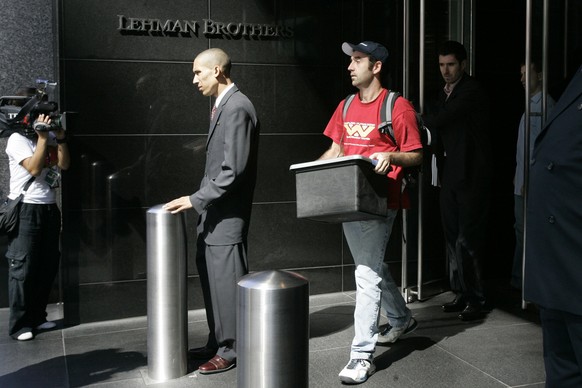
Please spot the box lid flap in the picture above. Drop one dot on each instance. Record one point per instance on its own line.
(325, 163)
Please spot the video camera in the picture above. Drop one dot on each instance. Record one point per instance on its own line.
(19, 113)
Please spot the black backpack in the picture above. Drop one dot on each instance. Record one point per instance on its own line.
(386, 128)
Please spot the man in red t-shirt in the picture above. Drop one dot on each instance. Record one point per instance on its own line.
(358, 134)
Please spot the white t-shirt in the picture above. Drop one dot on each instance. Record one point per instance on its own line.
(19, 148)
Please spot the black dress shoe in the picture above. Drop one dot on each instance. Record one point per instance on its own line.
(202, 353)
(455, 306)
(472, 312)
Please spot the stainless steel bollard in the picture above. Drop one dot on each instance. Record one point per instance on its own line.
(166, 296)
(272, 333)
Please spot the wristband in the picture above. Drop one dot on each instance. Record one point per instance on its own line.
(62, 141)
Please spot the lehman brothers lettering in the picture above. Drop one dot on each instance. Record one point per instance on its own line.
(208, 27)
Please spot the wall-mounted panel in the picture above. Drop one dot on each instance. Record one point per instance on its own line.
(275, 183)
(126, 30)
(132, 171)
(126, 68)
(133, 98)
(112, 98)
(278, 240)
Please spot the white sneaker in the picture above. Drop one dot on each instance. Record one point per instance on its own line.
(391, 334)
(357, 371)
(46, 325)
(25, 336)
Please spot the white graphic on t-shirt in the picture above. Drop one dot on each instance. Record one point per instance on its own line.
(359, 129)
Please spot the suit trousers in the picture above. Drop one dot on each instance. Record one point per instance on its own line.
(464, 212)
(517, 269)
(220, 267)
(562, 333)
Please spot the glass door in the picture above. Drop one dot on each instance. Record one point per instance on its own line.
(425, 25)
(499, 36)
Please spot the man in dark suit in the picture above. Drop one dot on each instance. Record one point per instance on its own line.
(553, 251)
(461, 121)
(224, 203)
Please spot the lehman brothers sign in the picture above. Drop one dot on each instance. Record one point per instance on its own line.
(208, 27)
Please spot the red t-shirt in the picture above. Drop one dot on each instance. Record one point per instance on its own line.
(360, 136)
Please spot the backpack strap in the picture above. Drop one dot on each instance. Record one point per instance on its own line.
(349, 100)
(385, 111)
(28, 183)
(385, 126)
(386, 115)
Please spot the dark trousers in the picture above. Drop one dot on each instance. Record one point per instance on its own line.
(33, 258)
(516, 272)
(562, 333)
(220, 267)
(464, 214)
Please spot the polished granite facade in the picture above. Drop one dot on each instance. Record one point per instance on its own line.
(141, 128)
(141, 133)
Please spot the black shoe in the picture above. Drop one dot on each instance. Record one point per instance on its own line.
(455, 306)
(202, 353)
(472, 312)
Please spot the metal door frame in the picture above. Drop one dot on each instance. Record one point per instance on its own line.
(461, 28)
(527, 121)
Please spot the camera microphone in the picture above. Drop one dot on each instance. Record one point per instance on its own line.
(42, 81)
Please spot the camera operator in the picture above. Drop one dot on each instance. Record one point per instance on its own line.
(33, 249)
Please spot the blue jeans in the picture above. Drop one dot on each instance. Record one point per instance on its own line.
(375, 287)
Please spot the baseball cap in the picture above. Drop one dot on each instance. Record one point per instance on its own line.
(372, 49)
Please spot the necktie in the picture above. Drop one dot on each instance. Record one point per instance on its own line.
(212, 113)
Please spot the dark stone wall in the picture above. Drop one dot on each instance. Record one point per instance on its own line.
(141, 126)
(142, 129)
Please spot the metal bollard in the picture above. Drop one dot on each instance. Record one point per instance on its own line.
(167, 308)
(272, 333)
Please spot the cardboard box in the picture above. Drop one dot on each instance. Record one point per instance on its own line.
(340, 190)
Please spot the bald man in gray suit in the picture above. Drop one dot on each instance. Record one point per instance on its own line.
(224, 203)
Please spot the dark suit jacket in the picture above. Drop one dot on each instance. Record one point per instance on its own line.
(462, 125)
(224, 199)
(553, 277)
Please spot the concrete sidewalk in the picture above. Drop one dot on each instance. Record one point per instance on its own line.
(503, 350)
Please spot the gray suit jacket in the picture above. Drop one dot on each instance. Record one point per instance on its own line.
(224, 199)
(553, 268)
